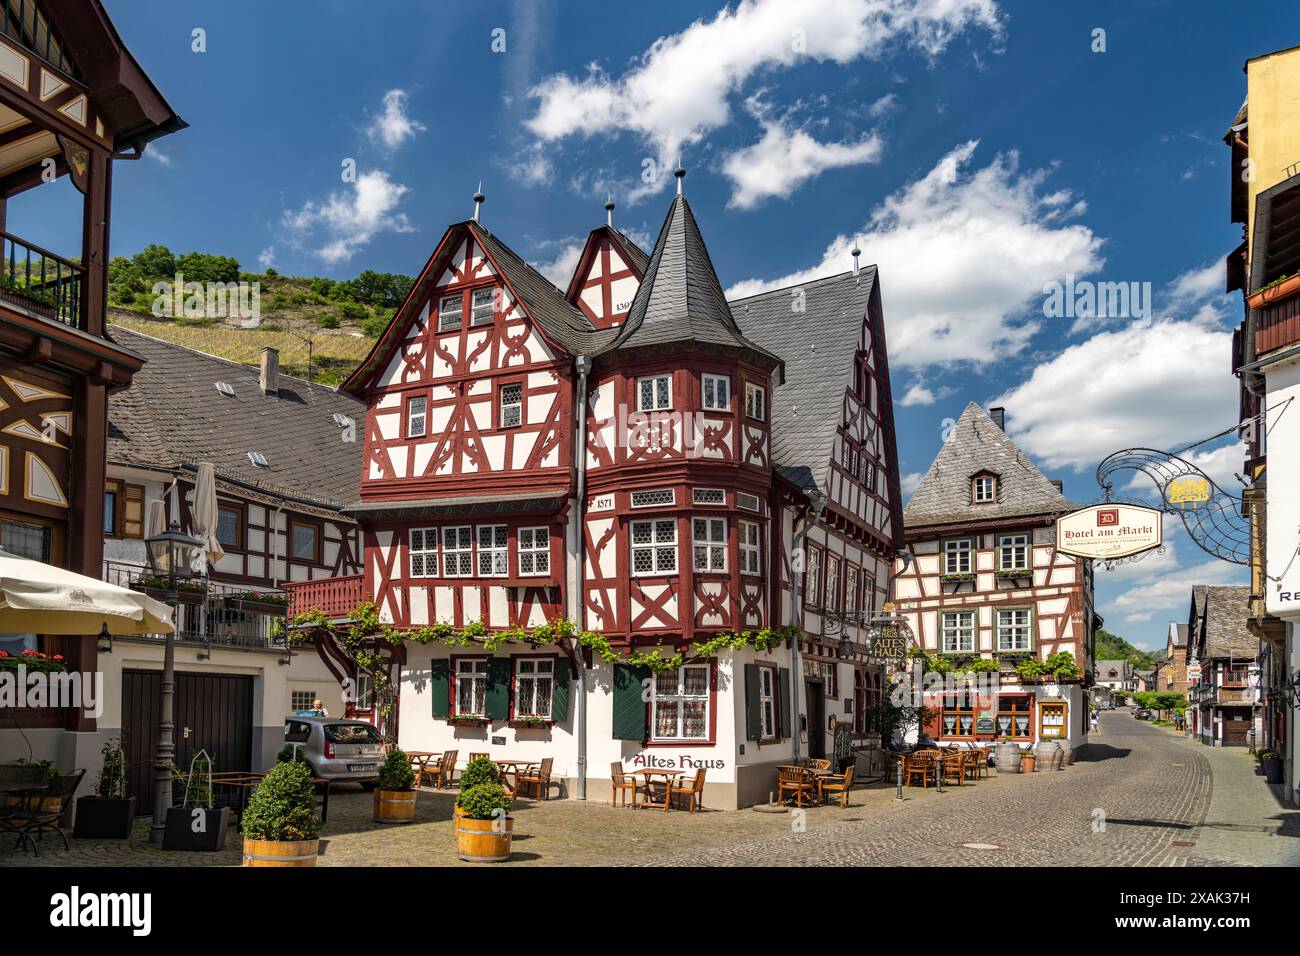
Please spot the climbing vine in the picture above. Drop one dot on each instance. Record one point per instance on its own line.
(366, 627)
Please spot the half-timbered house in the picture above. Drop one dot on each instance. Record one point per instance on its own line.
(73, 102)
(984, 580)
(638, 456)
(286, 453)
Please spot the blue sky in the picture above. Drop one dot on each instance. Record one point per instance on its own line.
(976, 149)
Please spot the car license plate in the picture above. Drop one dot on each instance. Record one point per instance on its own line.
(361, 767)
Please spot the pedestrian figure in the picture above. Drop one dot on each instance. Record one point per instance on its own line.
(1096, 721)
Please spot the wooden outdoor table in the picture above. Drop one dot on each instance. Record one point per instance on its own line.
(420, 760)
(668, 775)
(508, 767)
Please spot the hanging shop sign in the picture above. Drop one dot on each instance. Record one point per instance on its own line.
(1109, 531)
(1189, 491)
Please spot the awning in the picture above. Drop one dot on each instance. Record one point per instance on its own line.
(37, 598)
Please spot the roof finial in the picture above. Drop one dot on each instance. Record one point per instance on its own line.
(609, 210)
(478, 199)
(855, 253)
(680, 173)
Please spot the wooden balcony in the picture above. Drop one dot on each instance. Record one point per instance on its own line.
(1277, 323)
(39, 281)
(336, 597)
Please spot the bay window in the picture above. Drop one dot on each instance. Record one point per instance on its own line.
(750, 549)
(715, 393)
(654, 393)
(654, 546)
(709, 541)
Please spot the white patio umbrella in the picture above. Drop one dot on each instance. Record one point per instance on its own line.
(38, 598)
(203, 513)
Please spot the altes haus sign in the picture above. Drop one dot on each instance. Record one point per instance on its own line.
(1109, 531)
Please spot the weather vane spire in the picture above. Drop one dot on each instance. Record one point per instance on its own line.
(478, 199)
(680, 173)
(609, 209)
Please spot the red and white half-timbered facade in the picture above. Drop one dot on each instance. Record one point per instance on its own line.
(985, 580)
(695, 479)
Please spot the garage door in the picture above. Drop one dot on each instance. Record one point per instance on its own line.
(1236, 732)
(216, 708)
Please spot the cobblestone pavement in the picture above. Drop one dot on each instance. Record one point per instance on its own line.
(1152, 787)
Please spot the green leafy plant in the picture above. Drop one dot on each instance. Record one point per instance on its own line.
(963, 576)
(292, 753)
(283, 807)
(395, 772)
(52, 772)
(111, 784)
(1013, 573)
(483, 801)
(479, 771)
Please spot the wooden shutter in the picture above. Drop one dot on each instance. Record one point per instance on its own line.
(629, 708)
(753, 704)
(563, 674)
(496, 695)
(783, 689)
(440, 687)
(133, 511)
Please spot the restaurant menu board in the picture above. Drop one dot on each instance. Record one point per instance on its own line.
(1053, 720)
(984, 722)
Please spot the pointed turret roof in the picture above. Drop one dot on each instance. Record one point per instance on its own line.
(976, 444)
(680, 298)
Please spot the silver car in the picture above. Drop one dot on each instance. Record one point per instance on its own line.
(338, 749)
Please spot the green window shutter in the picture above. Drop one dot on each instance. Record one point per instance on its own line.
(496, 695)
(440, 687)
(560, 690)
(629, 708)
(753, 704)
(783, 688)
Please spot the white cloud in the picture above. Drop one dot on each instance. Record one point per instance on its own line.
(266, 258)
(963, 254)
(679, 89)
(157, 155)
(393, 126)
(883, 106)
(349, 219)
(1171, 592)
(786, 157)
(921, 394)
(909, 482)
(560, 269)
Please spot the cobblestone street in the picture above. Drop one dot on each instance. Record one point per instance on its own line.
(1163, 800)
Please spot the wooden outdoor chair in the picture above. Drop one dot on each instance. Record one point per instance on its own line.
(444, 774)
(919, 765)
(840, 785)
(977, 763)
(31, 823)
(620, 784)
(473, 757)
(693, 791)
(951, 767)
(795, 780)
(539, 779)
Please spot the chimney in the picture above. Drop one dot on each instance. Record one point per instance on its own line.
(269, 372)
(999, 416)
(1058, 484)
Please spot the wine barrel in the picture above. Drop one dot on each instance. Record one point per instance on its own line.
(394, 806)
(280, 852)
(1006, 758)
(1048, 753)
(1067, 752)
(483, 841)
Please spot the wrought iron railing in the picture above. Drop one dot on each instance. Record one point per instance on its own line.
(41, 281)
(219, 616)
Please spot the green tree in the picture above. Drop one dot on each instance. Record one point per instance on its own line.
(155, 261)
(205, 267)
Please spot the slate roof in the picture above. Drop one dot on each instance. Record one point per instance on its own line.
(1226, 609)
(818, 350)
(977, 444)
(1103, 668)
(637, 257)
(679, 298)
(173, 415)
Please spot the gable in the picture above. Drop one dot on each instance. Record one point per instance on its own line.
(606, 279)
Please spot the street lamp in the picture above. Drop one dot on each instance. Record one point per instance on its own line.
(171, 555)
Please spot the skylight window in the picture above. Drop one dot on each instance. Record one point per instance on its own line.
(342, 420)
(258, 459)
(226, 389)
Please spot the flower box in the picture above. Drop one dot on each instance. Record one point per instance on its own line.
(467, 720)
(531, 723)
(1273, 293)
(256, 605)
(183, 595)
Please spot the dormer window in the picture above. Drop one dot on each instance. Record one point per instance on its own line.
(984, 489)
(449, 312)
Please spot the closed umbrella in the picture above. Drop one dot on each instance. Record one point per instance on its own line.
(203, 513)
(38, 598)
(155, 523)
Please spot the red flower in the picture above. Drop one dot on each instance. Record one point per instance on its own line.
(58, 657)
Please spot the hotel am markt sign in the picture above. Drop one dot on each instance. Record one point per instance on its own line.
(1109, 531)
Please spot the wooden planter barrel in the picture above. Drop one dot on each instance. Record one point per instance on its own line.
(1067, 752)
(478, 841)
(1048, 753)
(280, 852)
(394, 806)
(1006, 758)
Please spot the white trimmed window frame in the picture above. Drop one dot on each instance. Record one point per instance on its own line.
(715, 392)
(533, 551)
(756, 402)
(422, 547)
(658, 546)
(449, 319)
(1016, 545)
(1009, 625)
(674, 701)
(751, 548)
(709, 545)
(957, 633)
(417, 416)
(660, 395)
(458, 551)
(956, 552)
(496, 550)
(510, 404)
(478, 300)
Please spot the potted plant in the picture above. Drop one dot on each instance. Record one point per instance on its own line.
(395, 794)
(187, 591)
(1027, 759)
(107, 813)
(196, 825)
(279, 823)
(483, 824)
(478, 771)
(256, 602)
(52, 773)
(1272, 764)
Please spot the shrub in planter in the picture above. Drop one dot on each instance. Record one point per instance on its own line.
(1272, 766)
(395, 793)
(483, 823)
(196, 825)
(478, 771)
(107, 813)
(280, 824)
